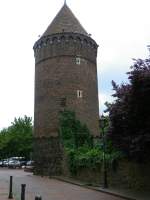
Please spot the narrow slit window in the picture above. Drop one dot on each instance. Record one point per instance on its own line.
(63, 102)
(78, 61)
(79, 93)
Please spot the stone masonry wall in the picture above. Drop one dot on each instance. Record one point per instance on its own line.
(48, 156)
(58, 77)
(128, 175)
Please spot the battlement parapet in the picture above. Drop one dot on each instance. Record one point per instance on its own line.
(65, 44)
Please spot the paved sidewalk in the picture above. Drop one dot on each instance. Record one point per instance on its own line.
(123, 193)
(97, 188)
(49, 189)
(52, 189)
(4, 190)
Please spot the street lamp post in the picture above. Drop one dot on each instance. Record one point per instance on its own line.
(103, 125)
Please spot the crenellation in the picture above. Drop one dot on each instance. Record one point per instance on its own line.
(59, 37)
(65, 44)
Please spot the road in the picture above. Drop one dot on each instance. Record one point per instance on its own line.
(49, 189)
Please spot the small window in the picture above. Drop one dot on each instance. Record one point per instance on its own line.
(79, 93)
(78, 61)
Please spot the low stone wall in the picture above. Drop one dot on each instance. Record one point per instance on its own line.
(131, 175)
(127, 175)
(50, 160)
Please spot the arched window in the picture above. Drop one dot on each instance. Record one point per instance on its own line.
(78, 39)
(85, 41)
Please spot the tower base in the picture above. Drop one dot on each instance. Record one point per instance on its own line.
(48, 156)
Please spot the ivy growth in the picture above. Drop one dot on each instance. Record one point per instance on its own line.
(78, 144)
(73, 133)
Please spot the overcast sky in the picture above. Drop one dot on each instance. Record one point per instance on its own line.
(120, 27)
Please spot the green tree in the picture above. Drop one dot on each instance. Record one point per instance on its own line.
(17, 139)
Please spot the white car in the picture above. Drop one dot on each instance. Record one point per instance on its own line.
(5, 163)
(14, 163)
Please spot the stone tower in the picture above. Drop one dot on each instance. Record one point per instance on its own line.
(65, 77)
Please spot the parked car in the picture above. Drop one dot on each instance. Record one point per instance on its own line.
(1, 163)
(30, 163)
(23, 162)
(5, 162)
(29, 166)
(14, 164)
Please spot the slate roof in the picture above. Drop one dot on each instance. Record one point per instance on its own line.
(65, 21)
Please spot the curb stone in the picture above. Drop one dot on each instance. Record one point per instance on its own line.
(106, 191)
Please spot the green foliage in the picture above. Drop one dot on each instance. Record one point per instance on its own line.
(73, 133)
(78, 144)
(83, 157)
(91, 158)
(106, 122)
(16, 140)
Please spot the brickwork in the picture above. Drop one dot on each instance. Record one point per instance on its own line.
(65, 66)
(58, 76)
(65, 44)
(48, 156)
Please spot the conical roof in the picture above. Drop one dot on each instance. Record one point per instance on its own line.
(65, 21)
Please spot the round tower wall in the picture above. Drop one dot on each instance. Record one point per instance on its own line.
(69, 44)
(65, 77)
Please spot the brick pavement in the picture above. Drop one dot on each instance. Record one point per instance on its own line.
(49, 189)
(4, 188)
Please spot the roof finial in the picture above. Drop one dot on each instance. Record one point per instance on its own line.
(65, 2)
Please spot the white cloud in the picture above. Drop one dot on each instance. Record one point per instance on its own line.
(103, 98)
